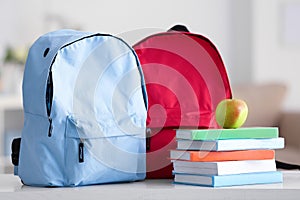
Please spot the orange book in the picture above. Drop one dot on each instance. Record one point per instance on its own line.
(215, 156)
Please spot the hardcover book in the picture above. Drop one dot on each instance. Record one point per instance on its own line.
(229, 180)
(214, 156)
(230, 145)
(224, 167)
(220, 134)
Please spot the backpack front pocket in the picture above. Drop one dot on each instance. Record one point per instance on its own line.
(93, 158)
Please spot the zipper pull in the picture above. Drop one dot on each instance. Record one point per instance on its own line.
(81, 152)
(148, 136)
(50, 127)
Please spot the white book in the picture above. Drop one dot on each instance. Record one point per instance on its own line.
(229, 145)
(224, 167)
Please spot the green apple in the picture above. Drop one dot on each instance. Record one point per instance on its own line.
(231, 113)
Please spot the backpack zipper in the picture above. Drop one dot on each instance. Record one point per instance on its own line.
(49, 94)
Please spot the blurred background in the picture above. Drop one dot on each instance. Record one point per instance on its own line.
(259, 41)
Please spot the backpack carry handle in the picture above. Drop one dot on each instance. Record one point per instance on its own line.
(180, 28)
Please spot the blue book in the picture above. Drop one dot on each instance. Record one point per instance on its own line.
(229, 180)
(230, 145)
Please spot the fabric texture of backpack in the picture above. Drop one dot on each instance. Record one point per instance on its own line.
(185, 80)
(85, 108)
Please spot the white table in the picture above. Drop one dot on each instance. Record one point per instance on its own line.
(11, 188)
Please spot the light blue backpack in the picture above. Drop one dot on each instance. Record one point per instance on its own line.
(85, 108)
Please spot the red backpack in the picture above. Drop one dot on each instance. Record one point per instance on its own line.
(185, 80)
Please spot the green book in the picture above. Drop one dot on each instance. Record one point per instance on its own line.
(223, 134)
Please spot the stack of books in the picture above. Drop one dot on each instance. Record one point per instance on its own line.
(226, 157)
